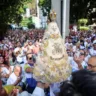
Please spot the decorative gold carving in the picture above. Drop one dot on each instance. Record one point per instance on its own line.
(53, 15)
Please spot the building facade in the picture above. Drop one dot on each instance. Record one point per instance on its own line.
(62, 8)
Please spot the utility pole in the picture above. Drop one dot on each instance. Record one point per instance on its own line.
(66, 10)
(62, 20)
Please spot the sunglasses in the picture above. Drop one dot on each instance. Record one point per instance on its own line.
(30, 58)
(82, 54)
(91, 66)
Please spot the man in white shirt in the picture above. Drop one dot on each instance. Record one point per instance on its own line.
(39, 90)
(78, 61)
(18, 53)
(15, 77)
(20, 58)
(92, 51)
(5, 73)
(30, 81)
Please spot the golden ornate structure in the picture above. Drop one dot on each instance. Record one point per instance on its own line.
(53, 15)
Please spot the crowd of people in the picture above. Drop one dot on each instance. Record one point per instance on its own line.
(18, 51)
(17, 57)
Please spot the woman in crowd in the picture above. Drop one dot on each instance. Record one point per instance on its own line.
(5, 69)
(76, 45)
(30, 81)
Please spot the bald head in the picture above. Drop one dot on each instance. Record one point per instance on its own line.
(17, 67)
(17, 70)
(92, 63)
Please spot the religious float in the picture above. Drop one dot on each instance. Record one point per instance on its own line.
(52, 63)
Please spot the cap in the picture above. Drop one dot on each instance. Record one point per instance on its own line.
(16, 50)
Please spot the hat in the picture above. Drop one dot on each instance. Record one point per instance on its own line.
(16, 50)
(94, 42)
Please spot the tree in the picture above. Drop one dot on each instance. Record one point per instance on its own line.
(81, 9)
(45, 6)
(10, 12)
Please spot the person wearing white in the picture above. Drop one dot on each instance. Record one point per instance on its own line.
(24, 93)
(54, 88)
(92, 51)
(18, 53)
(28, 68)
(74, 48)
(74, 66)
(38, 92)
(14, 78)
(5, 72)
(87, 56)
(78, 61)
(20, 58)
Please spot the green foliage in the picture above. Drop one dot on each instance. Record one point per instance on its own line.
(10, 10)
(29, 1)
(31, 26)
(25, 6)
(45, 6)
(82, 24)
(84, 21)
(26, 21)
(81, 9)
(84, 28)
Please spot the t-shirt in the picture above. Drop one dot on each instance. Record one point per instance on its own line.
(86, 58)
(92, 52)
(75, 65)
(27, 75)
(4, 72)
(12, 79)
(82, 47)
(74, 48)
(24, 50)
(38, 92)
(1, 46)
(19, 59)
